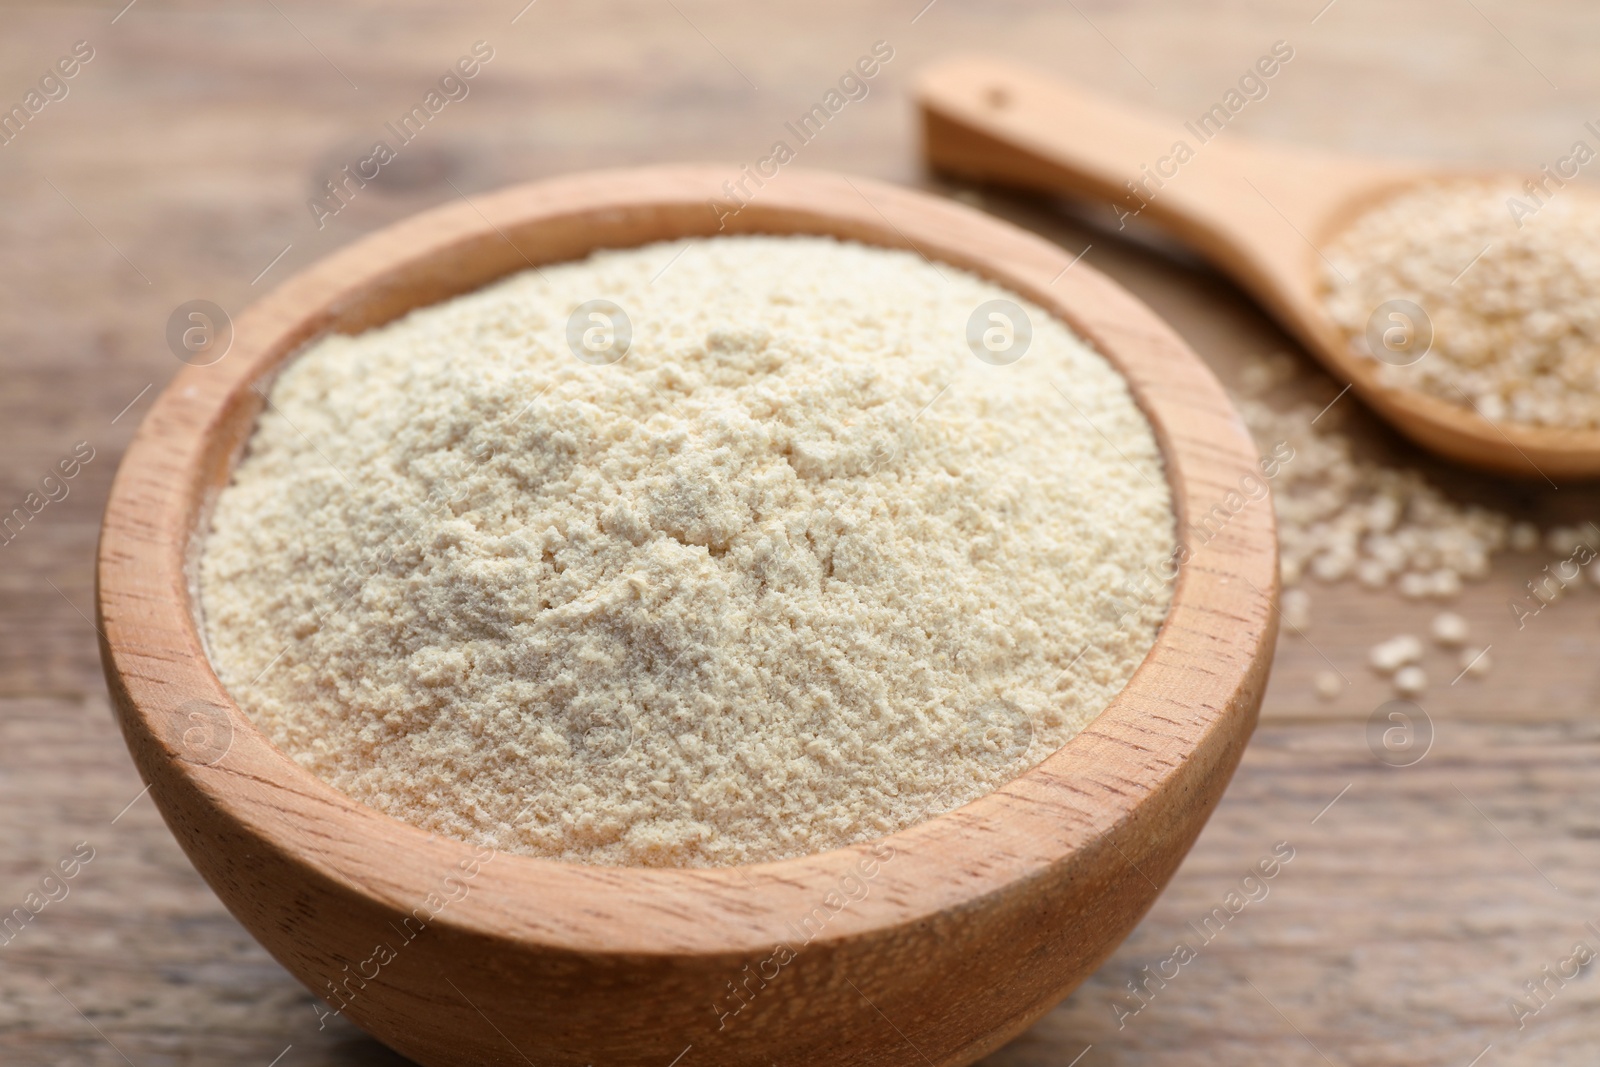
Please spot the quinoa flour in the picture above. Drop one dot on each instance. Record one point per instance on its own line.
(797, 571)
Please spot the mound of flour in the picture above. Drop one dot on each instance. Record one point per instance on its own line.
(798, 570)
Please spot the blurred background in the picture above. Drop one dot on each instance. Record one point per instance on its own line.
(1422, 904)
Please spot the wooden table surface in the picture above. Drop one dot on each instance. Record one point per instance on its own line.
(178, 166)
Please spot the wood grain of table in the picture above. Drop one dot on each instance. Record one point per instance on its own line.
(178, 166)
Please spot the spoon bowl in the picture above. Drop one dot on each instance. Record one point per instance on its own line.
(1260, 212)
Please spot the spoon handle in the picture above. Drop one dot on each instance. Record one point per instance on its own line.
(1257, 211)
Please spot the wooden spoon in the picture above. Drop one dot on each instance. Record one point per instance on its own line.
(1260, 212)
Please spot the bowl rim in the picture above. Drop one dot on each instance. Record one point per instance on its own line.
(1196, 690)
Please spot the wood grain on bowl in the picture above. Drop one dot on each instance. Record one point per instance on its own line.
(933, 945)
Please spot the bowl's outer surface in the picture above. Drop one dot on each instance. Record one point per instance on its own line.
(931, 946)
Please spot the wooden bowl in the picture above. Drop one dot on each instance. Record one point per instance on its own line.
(933, 945)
